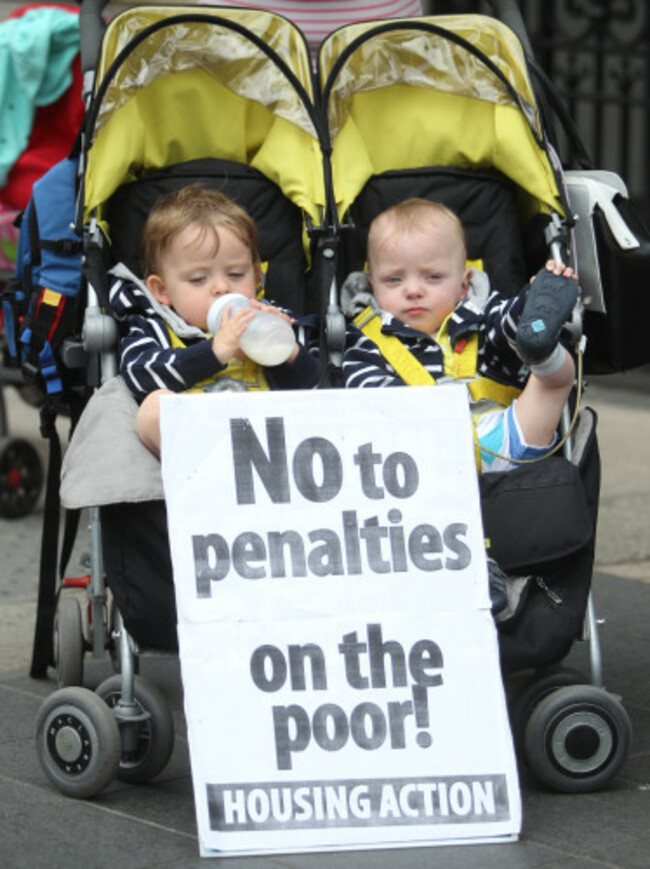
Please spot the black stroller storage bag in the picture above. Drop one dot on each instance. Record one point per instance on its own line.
(540, 523)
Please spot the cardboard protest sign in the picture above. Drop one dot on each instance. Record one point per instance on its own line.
(338, 654)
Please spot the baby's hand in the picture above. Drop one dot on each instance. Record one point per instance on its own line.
(270, 309)
(225, 344)
(561, 270)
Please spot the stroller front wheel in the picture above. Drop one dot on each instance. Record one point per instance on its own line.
(146, 728)
(77, 742)
(577, 738)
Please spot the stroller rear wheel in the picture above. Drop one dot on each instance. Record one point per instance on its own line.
(21, 478)
(577, 738)
(146, 728)
(77, 742)
(68, 642)
(527, 696)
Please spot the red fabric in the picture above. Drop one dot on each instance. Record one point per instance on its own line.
(53, 132)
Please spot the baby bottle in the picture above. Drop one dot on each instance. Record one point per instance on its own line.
(268, 339)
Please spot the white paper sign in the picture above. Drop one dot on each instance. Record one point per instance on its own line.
(338, 654)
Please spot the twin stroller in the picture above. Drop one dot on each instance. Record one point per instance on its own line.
(442, 108)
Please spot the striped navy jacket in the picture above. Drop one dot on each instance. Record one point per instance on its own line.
(494, 317)
(148, 361)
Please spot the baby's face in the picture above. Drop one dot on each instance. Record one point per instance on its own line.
(201, 266)
(417, 276)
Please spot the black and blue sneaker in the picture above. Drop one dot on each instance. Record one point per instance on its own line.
(550, 301)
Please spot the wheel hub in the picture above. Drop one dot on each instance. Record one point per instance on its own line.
(15, 478)
(582, 742)
(69, 743)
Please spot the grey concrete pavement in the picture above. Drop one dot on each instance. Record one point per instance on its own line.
(153, 825)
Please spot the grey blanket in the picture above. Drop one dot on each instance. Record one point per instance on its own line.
(105, 462)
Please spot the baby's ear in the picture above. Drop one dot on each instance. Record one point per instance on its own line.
(465, 284)
(156, 287)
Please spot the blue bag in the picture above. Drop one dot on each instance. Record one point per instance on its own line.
(42, 304)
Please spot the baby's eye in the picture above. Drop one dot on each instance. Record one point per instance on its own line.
(197, 280)
(236, 276)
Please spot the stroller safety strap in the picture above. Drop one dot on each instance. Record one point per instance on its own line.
(460, 364)
(412, 372)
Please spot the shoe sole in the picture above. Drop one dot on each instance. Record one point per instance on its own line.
(551, 299)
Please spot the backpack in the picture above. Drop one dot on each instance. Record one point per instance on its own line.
(43, 307)
(42, 304)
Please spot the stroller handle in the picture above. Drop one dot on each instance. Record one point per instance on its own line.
(91, 31)
(509, 13)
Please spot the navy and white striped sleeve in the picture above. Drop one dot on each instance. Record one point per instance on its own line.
(364, 365)
(500, 325)
(149, 362)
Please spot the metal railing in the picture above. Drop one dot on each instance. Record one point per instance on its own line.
(597, 52)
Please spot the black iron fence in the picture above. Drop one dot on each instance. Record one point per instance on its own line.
(597, 52)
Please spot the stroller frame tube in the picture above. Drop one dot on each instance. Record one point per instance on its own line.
(590, 631)
(97, 591)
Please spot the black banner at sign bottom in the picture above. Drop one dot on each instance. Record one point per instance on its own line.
(358, 803)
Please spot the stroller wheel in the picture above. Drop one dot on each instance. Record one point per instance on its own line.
(77, 742)
(68, 642)
(577, 738)
(146, 728)
(526, 698)
(21, 478)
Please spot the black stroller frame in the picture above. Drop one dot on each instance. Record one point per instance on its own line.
(85, 739)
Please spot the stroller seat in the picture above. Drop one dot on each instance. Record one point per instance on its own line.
(136, 555)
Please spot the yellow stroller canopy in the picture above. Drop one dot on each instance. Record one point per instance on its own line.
(175, 85)
(433, 91)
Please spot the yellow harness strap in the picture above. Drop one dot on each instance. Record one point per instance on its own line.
(246, 370)
(484, 388)
(460, 363)
(400, 357)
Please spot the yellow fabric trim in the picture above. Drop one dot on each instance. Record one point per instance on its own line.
(460, 365)
(50, 297)
(164, 123)
(484, 388)
(246, 370)
(423, 127)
